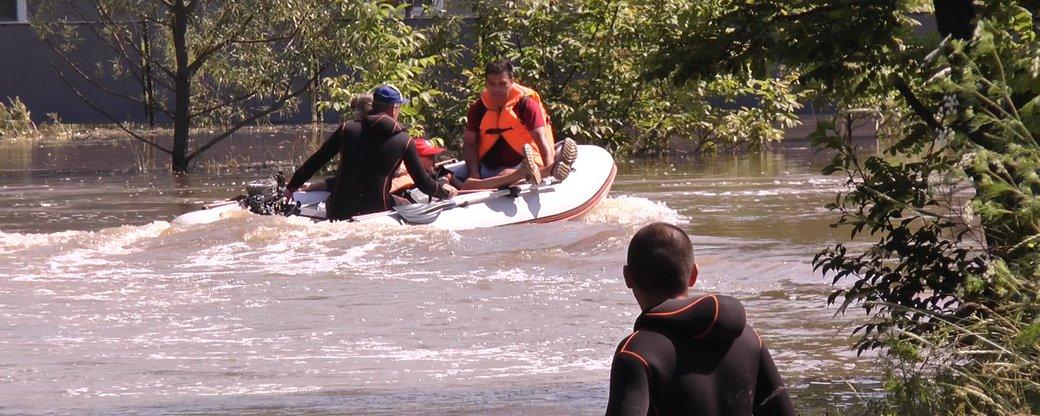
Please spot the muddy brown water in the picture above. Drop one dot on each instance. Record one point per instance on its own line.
(107, 308)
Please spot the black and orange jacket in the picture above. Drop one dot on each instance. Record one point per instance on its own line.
(695, 356)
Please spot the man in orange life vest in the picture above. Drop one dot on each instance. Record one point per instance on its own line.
(506, 127)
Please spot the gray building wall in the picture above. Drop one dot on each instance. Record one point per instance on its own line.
(28, 71)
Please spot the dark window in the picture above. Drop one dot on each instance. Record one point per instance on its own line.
(8, 10)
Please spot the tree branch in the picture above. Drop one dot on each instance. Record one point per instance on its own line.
(215, 107)
(915, 104)
(97, 84)
(205, 53)
(277, 105)
(827, 8)
(107, 20)
(135, 69)
(121, 125)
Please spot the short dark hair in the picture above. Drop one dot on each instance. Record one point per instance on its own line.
(381, 108)
(660, 259)
(498, 67)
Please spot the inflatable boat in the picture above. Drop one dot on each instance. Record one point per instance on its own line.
(591, 176)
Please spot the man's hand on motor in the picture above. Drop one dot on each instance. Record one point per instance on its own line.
(288, 193)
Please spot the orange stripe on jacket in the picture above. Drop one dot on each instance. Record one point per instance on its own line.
(625, 350)
(714, 319)
(646, 365)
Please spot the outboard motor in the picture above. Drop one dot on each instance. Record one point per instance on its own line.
(265, 197)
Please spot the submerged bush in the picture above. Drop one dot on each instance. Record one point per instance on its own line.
(15, 120)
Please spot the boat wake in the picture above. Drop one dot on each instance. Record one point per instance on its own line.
(244, 227)
(632, 211)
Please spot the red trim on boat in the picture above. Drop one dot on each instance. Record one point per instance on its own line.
(581, 209)
(577, 212)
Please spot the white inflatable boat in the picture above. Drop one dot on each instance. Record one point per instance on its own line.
(589, 182)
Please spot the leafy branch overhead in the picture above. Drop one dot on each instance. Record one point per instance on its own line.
(950, 278)
(588, 59)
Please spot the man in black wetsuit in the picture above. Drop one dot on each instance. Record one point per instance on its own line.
(689, 354)
(370, 151)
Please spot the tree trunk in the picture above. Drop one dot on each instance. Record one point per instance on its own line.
(146, 74)
(182, 88)
(316, 116)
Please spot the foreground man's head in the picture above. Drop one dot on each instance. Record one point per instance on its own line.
(660, 264)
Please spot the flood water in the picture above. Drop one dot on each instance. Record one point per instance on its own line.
(107, 308)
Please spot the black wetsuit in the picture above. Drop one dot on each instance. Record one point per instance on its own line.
(695, 356)
(370, 151)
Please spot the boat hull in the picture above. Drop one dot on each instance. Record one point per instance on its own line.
(590, 180)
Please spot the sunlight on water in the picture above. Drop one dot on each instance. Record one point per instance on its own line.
(127, 313)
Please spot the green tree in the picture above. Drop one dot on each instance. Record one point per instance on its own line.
(216, 63)
(587, 59)
(951, 279)
(417, 61)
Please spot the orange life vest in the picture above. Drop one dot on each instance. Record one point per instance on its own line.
(503, 123)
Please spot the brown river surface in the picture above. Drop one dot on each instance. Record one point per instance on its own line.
(107, 308)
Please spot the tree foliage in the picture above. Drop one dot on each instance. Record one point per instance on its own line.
(951, 277)
(587, 59)
(222, 63)
(415, 60)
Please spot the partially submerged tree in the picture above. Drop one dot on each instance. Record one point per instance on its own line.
(221, 63)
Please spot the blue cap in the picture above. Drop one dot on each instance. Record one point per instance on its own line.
(388, 94)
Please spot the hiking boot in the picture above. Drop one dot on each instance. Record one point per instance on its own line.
(530, 166)
(568, 154)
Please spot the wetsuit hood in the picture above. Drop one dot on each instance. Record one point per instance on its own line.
(712, 318)
(381, 124)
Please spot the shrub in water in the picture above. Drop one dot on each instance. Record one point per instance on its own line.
(15, 120)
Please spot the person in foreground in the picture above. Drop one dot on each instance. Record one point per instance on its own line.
(689, 354)
(370, 151)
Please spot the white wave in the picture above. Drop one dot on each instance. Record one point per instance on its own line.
(110, 240)
(18, 241)
(631, 210)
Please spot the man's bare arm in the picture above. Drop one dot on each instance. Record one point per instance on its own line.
(469, 153)
(541, 137)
